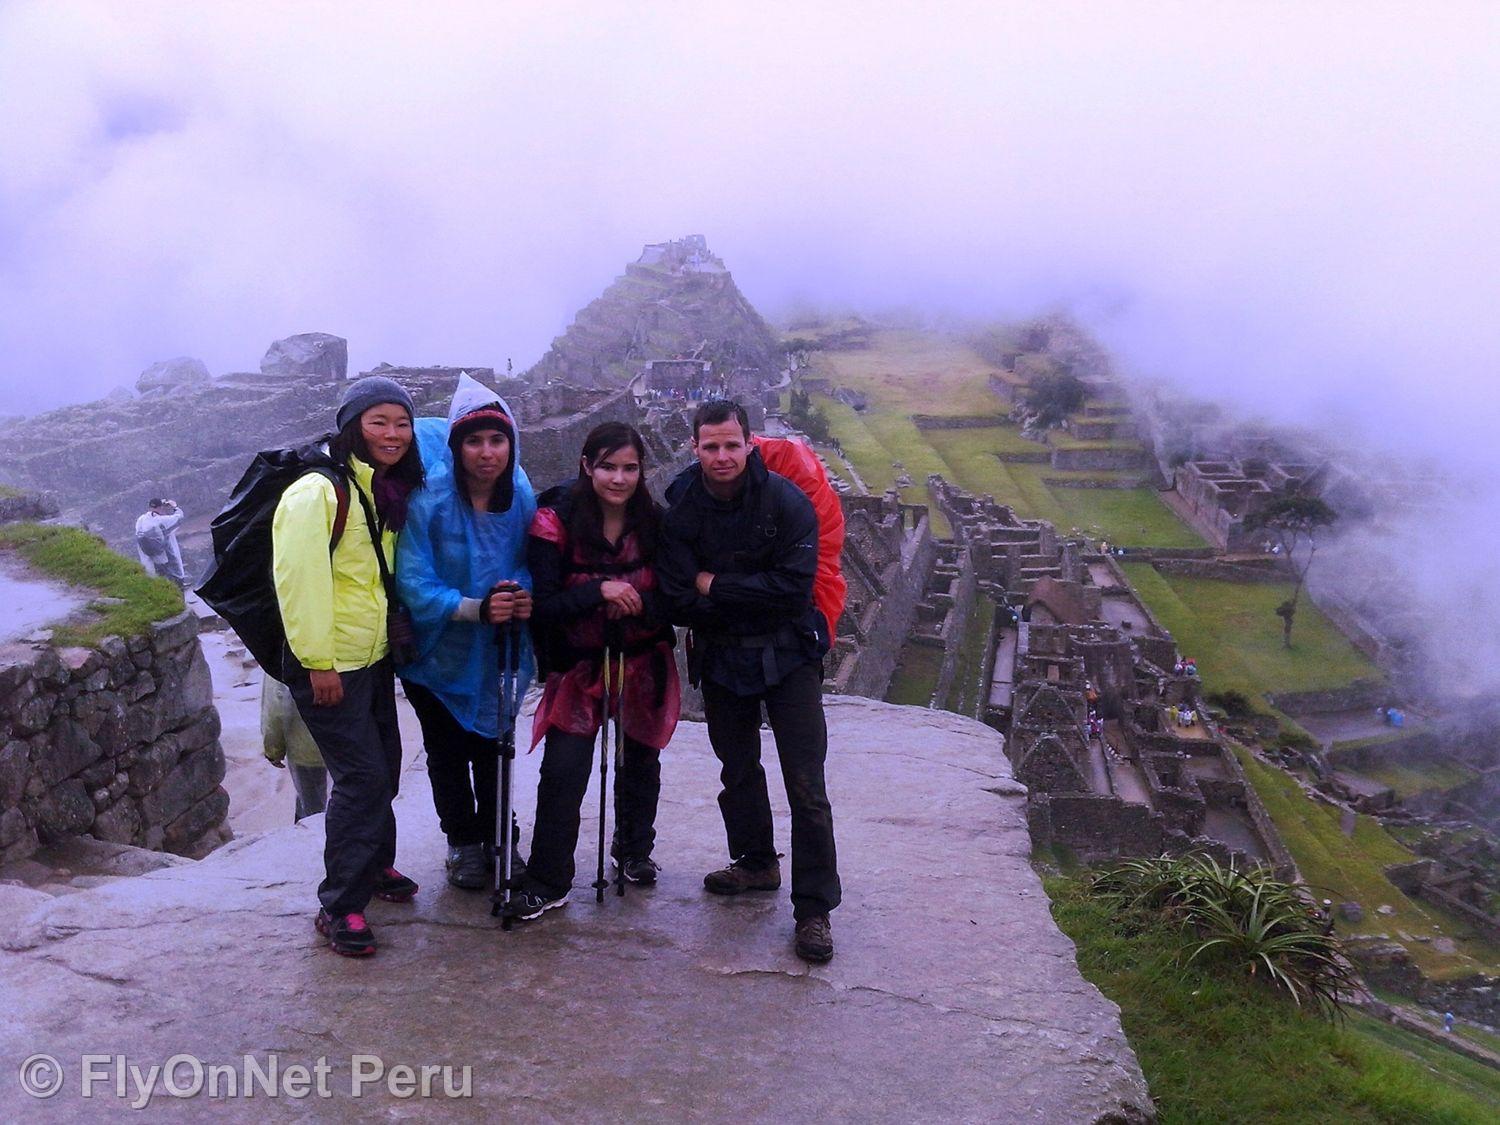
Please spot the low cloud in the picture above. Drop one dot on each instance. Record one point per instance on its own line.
(1286, 207)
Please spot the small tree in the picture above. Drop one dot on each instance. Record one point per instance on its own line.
(1055, 396)
(811, 420)
(1294, 519)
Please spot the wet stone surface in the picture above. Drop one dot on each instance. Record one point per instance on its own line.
(953, 996)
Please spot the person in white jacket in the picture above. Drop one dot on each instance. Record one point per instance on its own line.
(156, 541)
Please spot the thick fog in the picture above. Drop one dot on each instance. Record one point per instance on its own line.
(1288, 206)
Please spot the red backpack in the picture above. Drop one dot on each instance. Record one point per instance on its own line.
(800, 465)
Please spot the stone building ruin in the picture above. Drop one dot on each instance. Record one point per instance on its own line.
(1102, 721)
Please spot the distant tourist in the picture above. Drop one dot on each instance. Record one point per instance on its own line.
(461, 571)
(156, 540)
(592, 553)
(334, 607)
(1448, 1022)
(289, 745)
(738, 559)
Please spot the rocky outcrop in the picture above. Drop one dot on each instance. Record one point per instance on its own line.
(17, 505)
(317, 355)
(193, 444)
(118, 742)
(971, 1010)
(677, 300)
(170, 374)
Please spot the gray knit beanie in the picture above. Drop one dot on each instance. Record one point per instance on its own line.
(372, 390)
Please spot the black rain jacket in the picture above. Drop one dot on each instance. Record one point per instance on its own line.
(758, 622)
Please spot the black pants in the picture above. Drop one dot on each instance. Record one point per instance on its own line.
(795, 710)
(361, 745)
(463, 767)
(567, 761)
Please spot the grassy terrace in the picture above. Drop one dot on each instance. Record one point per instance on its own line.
(906, 373)
(1409, 780)
(1219, 1047)
(133, 599)
(1352, 868)
(916, 675)
(1233, 631)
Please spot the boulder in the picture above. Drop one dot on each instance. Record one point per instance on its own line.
(15, 767)
(169, 374)
(69, 750)
(1351, 912)
(315, 354)
(65, 810)
(183, 832)
(195, 776)
(120, 823)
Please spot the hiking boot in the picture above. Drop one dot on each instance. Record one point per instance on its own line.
(467, 869)
(814, 939)
(642, 870)
(738, 877)
(533, 903)
(348, 934)
(394, 886)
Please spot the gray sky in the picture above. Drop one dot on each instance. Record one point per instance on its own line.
(1291, 204)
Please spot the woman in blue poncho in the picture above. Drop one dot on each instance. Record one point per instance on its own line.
(465, 536)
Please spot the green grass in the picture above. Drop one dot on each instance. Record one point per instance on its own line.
(1217, 1047)
(915, 676)
(1352, 868)
(1232, 630)
(905, 373)
(72, 555)
(1486, 1039)
(9, 493)
(1411, 779)
(1133, 517)
(1465, 1075)
(1343, 748)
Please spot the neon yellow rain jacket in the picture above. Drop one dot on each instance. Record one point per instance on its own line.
(333, 609)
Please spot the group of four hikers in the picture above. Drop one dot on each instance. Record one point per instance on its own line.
(445, 522)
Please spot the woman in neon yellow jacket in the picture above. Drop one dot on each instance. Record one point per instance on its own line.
(334, 608)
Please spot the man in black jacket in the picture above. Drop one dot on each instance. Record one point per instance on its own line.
(739, 549)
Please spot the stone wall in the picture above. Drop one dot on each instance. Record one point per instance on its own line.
(1129, 457)
(887, 564)
(118, 742)
(1361, 693)
(1269, 570)
(956, 623)
(1389, 966)
(956, 421)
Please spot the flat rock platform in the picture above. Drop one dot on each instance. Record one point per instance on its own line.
(953, 996)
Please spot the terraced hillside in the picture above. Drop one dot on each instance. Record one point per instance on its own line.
(915, 383)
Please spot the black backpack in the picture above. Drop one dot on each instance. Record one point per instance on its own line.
(239, 585)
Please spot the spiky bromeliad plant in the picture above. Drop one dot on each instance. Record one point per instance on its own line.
(1249, 919)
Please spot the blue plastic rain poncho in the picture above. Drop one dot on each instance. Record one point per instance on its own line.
(449, 552)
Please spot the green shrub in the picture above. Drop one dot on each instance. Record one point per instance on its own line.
(1249, 920)
(1235, 704)
(1295, 738)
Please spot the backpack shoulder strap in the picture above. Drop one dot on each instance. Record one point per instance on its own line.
(340, 515)
(341, 504)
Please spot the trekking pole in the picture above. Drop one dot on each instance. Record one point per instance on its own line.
(620, 763)
(600, 882)
(510, 705)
